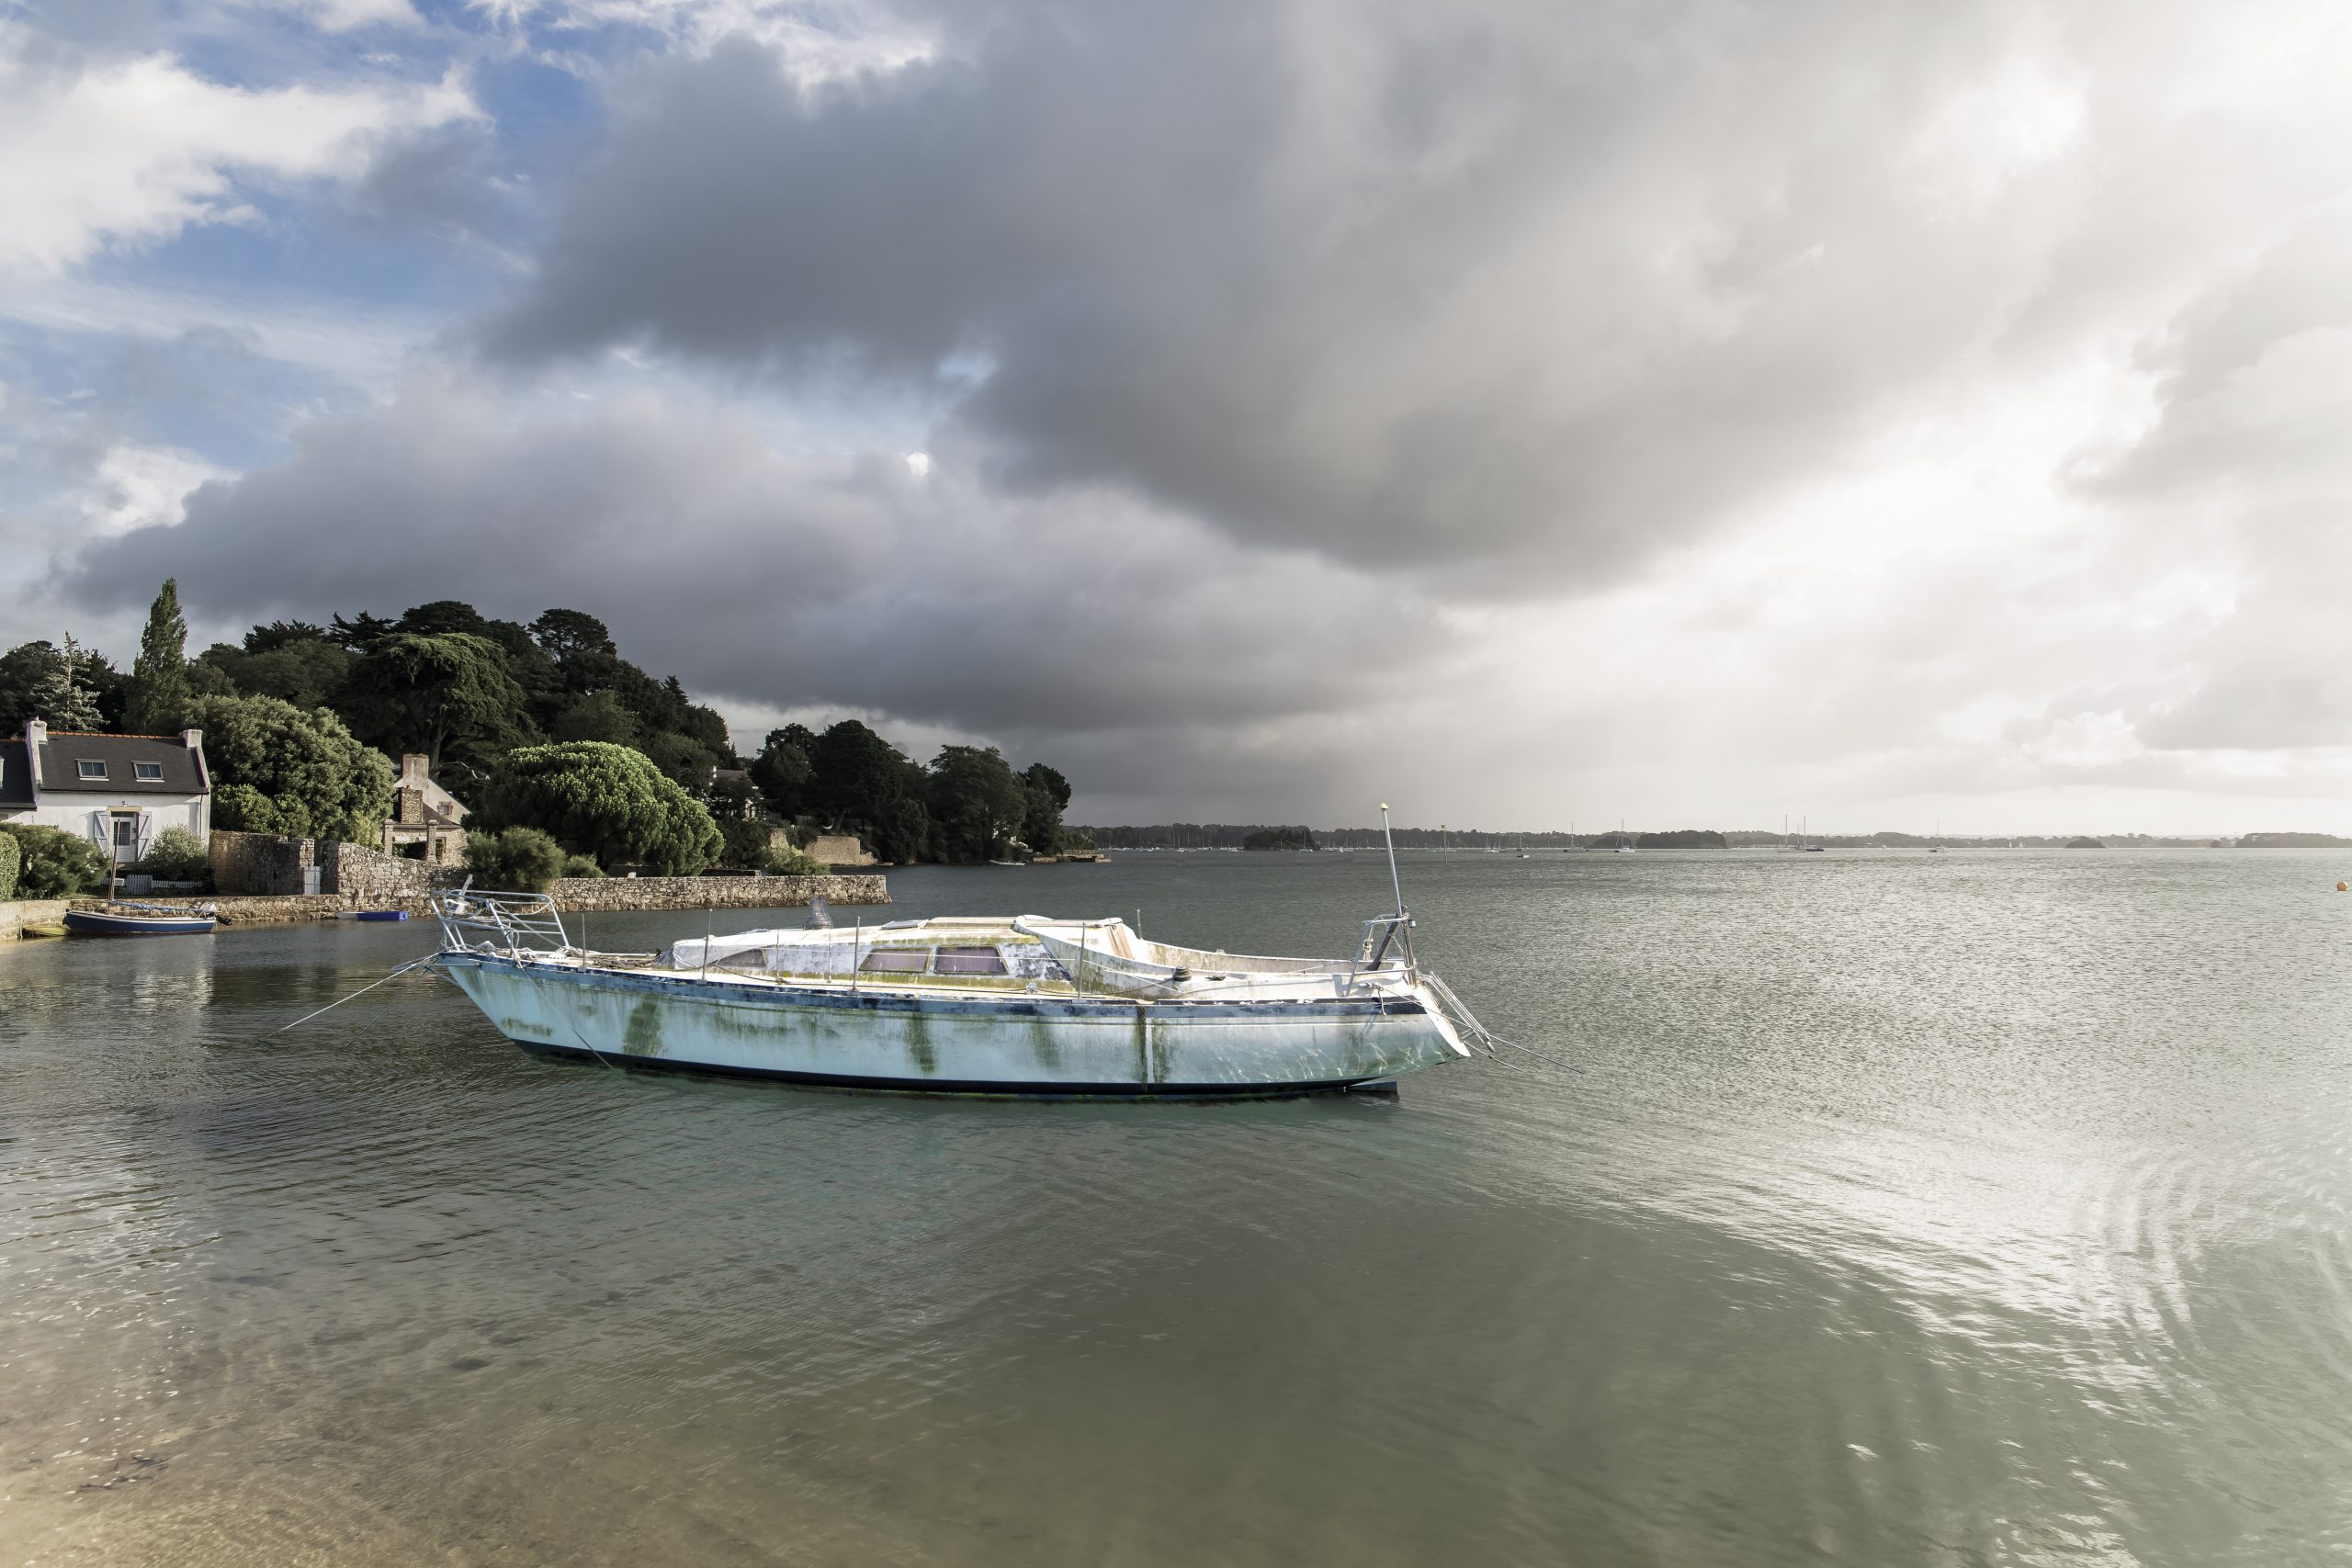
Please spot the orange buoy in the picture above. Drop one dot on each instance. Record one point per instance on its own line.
(2343, 887)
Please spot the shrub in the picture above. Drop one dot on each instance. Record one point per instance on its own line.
(10, 857)
(742, 843)
(581, 865)
(784, 862)
(56, 865)
(519, 860)
(177, 855)
(602, 800)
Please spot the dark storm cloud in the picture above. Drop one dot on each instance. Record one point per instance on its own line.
(438, 179)
(1404, 284)
(851, 583)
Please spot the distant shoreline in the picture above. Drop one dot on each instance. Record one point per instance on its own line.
(1235, 836)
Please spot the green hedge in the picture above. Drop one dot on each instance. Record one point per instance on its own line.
(515, 859)
(56, 865)
(10, 858)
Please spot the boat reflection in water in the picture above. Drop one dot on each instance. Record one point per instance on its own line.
(962, 1005)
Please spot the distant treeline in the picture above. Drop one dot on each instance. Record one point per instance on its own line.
(1235, 836)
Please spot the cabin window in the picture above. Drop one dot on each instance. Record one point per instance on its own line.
(969, 961)
(88, 770)
(147, 773)
(896, 961)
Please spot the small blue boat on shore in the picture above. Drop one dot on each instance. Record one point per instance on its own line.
(141, 920)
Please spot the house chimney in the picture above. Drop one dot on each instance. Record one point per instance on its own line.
(36, 732)
(194, 741)
(412, 767)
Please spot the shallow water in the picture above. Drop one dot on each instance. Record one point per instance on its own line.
(1984, 1207)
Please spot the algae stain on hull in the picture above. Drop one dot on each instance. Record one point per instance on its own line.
(919, 1046)
(643, 1037)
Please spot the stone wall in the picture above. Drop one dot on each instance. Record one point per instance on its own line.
(258, 863)
(17, 914)
(838, 849)
(364, 874)
(600, 894)
(268, 866)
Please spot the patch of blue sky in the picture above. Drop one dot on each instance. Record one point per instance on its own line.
(206, 391)
(308, 242)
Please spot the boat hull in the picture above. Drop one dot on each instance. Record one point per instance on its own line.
(1012, 1044)
(81, 923)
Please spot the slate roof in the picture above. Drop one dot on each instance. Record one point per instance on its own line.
(62, 750)
(15, 776)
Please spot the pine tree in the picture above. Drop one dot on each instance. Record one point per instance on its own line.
(72, 705)
(159, 689)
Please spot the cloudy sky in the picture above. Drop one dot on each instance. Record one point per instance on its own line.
(1523, 410)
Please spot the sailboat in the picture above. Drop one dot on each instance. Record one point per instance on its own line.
(1625, 845)
(1938, 847)
(988, 1005)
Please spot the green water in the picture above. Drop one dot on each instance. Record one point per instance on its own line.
(1988, 1207)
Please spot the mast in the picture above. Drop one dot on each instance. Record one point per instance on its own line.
(1395, 886)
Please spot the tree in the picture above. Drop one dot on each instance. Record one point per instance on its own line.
(360, 633)
(282, 634)
(901, 831)
(858, 775)
(27, 676)
(57, 864)
(277, 768)
(683, 759)
(159, 688)
(305, 670)
(780, 771)
(431, 692)
(515, 859)
(977, 802)
(742, 843)
(1047, 794)
(566, 635)
(602, 800)
(599, 716)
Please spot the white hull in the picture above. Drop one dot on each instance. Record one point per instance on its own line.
(828, 1032)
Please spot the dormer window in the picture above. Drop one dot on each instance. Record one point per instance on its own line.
(147, 772)
(88, 770)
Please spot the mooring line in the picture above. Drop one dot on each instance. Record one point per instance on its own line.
(413, 963)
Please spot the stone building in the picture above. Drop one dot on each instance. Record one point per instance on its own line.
(427, 821)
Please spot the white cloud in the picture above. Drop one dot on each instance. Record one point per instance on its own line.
(344, 16)
(126, 152)
(140, 487)
(820, 43)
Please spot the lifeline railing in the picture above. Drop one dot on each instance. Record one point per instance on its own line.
(516, 923)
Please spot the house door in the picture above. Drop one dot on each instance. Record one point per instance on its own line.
(127, 845)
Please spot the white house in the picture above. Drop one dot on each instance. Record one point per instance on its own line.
(118, 790)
